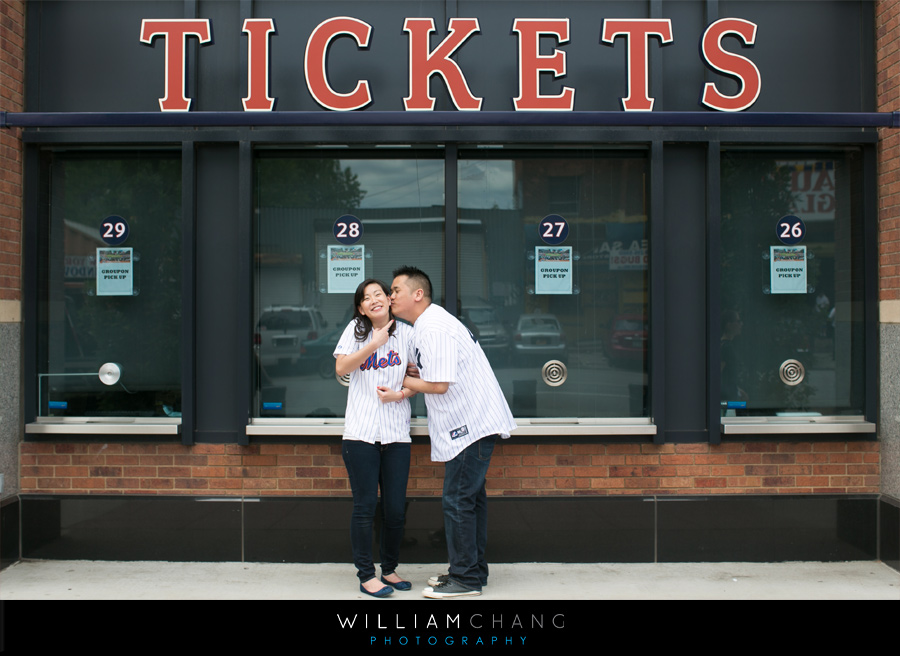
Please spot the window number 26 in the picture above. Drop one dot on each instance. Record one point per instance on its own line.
(791, 230)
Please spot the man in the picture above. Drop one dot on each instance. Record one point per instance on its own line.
(466, 413)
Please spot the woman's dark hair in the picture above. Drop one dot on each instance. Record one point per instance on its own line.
(363, 323)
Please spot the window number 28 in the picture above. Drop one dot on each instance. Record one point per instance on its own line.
(345, 230)
(348, 229)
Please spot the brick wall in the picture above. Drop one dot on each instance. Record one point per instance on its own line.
(516, 469)
(12, 76)
(887, 23)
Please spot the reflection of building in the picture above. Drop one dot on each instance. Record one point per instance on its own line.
(604, 204)
(654, 214)
(80, 246)
(292, 242)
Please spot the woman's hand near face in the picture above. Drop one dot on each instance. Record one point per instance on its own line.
(380, 336)
(345, 363)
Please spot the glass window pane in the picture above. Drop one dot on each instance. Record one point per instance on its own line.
(306, 262)
(792, 284)
(112, 287)
(573, 290)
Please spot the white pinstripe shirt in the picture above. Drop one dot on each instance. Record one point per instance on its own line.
(474, 405)
(367, 418)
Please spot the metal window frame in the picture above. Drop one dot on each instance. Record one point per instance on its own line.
(597, 131)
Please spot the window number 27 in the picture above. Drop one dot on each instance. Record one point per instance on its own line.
(553, 229)
(549, 229)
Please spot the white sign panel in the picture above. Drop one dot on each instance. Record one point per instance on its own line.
(115, 273)
(346, 268)
(788, 269)
(553, 270)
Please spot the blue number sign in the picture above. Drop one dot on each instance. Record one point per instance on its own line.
(790, 230)
(348, 229)
(553, 229)
(114, 230)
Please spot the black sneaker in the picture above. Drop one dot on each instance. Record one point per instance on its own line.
(443, 578)
(449, 589)
(437, 580)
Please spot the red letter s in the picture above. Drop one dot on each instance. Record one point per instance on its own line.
(730, 64)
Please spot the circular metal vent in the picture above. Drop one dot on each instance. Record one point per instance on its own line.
(110, 373)
(554, 373)
(792, 372)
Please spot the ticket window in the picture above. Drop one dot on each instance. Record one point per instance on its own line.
(553, 278)
(109, 342)
(324, 223)
(792, 340)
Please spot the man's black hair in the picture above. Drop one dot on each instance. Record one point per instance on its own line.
(417, 279)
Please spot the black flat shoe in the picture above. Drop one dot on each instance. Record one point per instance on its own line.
(399, 585)
(386, 591)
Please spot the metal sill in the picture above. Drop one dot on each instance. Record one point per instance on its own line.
(584, 426)
(419, 427)
(796, 425)
(104, 426)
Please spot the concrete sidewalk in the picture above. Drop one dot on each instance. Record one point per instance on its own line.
(102, 580)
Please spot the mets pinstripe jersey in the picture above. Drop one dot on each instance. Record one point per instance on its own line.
(367, 418)
(473, 406)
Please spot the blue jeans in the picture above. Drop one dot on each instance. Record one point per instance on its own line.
(369, 467)
(465, 513)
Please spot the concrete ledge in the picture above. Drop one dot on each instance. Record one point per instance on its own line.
(889, 311)
(10, 312)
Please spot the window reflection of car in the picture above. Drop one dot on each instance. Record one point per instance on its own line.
(627, 339)
(482, 320)
(539, 335)
(281, 331)
(319, 352)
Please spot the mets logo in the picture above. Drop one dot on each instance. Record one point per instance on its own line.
(459, 432)
(374, 362)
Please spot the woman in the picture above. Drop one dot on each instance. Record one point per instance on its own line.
(374, 350)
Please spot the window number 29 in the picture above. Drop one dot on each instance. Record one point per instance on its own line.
(114, 230)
